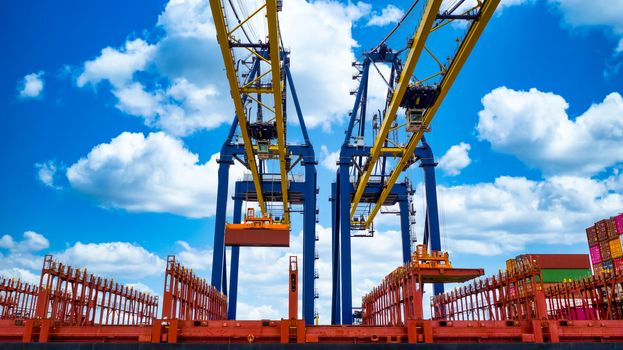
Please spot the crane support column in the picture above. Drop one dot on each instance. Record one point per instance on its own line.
(225, 161)
(309, 239)
(432, 214)
(403, 204)
(335, 250)
(235, 263)
(345, 263)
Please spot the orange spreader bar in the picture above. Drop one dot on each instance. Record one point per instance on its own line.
(257, 232)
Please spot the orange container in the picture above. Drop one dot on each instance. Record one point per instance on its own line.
(615, 248)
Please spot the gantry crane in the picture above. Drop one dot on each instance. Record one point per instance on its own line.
(258, 71)
(364, 180)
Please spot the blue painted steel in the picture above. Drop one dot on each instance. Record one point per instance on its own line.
(403, 204)
(235, 262)
(309, 239)
(218, 251)
(307, 189)
(345, 263)
(335, 249)
(432, 214)
(341, 301)
(353, 116)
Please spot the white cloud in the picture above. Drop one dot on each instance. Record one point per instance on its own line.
(32, 85)
(21, 254)
(114, 259)
(194, 258)
(329, 159)
(534, 126)
(117, 65)
(513, 212)
(469, 4)
(182, 87)
(604, 14)
(389, 14)
(7, 242)
(22, 274)
(149, 174)
(46, 173)
(455, 159)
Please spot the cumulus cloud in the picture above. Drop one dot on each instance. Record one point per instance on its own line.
(329, 159)
(535, 127)
(118, 259)
(511, 213)
(21, 254)
(149, 174)
(600, 13)
(177, 84)
(455, 159)
(198, 259)
(46, 173)
(469, 4)
(21, 274)
(389, 14)
(24, 257)
(31, 85)
(117, 65)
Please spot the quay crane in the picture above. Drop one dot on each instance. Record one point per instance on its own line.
(258, 71)
(364, 181)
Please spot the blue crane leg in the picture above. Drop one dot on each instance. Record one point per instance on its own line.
(347, 293)
(432, 213)
(219, 227)
(235, 263)
(309, 240)
(403, 204)
(335, 253)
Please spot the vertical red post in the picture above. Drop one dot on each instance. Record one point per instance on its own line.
(293, 289)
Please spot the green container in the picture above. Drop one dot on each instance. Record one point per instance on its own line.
(559, 275)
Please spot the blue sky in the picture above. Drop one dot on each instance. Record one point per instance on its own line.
(113, 113)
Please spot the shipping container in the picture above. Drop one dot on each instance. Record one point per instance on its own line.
(618, 264)
(597, 269)
(615, 248)
(611, 229)
(618, 222)
(607, 265)
(591, 235)
(595, 254)
(604, 247)
(600, 230)
(560, 275)
(559, 261)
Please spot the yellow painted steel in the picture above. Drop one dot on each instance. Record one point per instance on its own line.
(228, 59)
(419, 39)
(278, 85)
(472, 36)
(245, 20)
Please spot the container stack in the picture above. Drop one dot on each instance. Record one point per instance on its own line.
(605, 242)
(556, 268)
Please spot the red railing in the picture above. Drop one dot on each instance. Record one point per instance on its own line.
(188, 297)
(17, 299)
(599, 297)
(76, 297)
(515, 294)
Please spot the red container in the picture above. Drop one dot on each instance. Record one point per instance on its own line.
(591, 235)
(618, 223)
(561, 261)
(611, 229)
(604, 247)
(595, 254)
(618, 265)
(601, 229)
